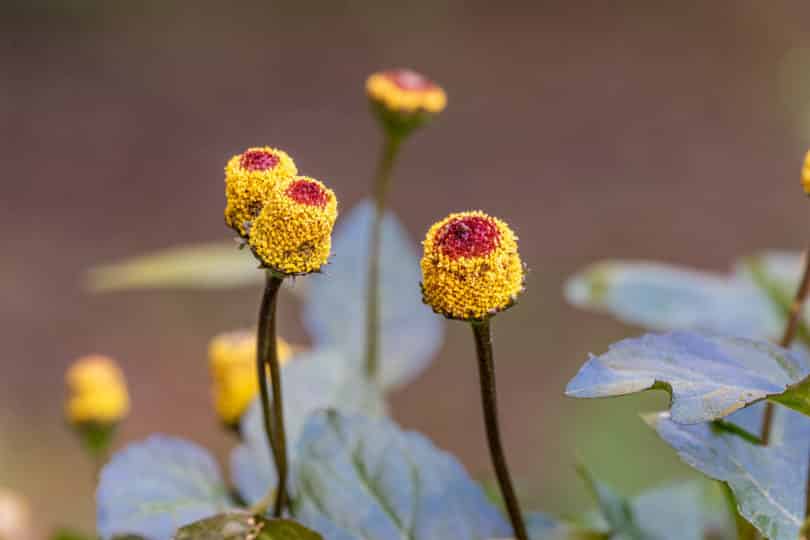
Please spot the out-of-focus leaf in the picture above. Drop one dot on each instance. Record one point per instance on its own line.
(543, 527)
(335, 311)
(709, 376)
(317, 379)
(219, 265)
(616, 510)
(243, 526)
(153, 487)
(373, 481)
(768, 482)
(68, 534)
(664, 297)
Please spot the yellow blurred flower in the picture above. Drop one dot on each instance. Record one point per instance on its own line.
(248, 177)
(405, 91)
(471, 268)
(293, 233)
(806, 174)
(97, 391)
(232, 361)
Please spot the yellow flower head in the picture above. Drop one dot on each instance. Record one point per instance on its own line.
(806, 174)
(471, 268)
(293, 233)
(97, 391)
(232, 360)
(405, 91)
(248, 177)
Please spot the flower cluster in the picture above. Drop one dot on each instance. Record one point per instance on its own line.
(293, 232)
(248, 178)
(232, 362)
(97, 391)
(471, 268)
(286, 219)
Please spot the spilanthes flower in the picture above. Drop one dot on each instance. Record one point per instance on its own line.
(232, 361)
(404, 99)
(471, 268)
(97, 391)
(806, 174)
(248, 177)
(293, 233)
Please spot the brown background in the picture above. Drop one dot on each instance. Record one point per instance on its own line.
(664, 130)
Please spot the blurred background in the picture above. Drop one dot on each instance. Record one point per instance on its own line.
(669, 131)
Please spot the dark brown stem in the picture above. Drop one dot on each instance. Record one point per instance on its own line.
(382, 186)
(792, 326)
(267, 357)
(486, 369)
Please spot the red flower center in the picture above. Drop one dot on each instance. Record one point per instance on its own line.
(472, 236)
(258, 160)
(407, 79)
(308, 192)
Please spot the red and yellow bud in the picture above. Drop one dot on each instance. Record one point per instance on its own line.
(471, 268)
(248, 178)
(293, 233)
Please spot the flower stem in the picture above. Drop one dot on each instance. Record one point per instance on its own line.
(792, 326)
(267, 357)
(486, 369)
(382, 186)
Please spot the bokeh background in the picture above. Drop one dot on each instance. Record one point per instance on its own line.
(659, 130)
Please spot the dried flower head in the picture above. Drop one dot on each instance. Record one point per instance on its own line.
(471, 268)
(806, 174)
(248, 177)
(232, 361)
(404, 99)
(97, 391)
(293, 233)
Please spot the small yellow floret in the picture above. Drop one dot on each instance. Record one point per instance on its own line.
(293, 233)
(232, 361)
(806, 174)
(248, 177)
(97, 391)
(471, 268)
(406, 91)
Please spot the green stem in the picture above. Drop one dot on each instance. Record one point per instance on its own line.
(382, 186)
(267, 357)
(791, 328)
(486, 368)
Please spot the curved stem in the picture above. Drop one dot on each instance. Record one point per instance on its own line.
(792, 326)
(382, 186)
(486, 368)
(267, 356)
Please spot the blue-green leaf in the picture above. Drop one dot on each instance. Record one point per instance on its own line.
(709, 376)
(768, 482)
(315, 380)
(153, 487)
(216, 265)
(664, 297)
(373, 481)
(335, 311)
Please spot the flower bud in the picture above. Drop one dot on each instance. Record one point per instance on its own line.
(806, 174)
(293, 233)
(248, 177)
(404, 99)
(232, 362)
(471, 268)
(97, 391)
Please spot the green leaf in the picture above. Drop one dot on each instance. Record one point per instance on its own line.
(218, 265)
(68, 534)
(367, 479)
(335, 310)
(243, 526)
(665, 297)
(153, 487)
(616, 510)
(318, 379)
(769, 482)
(708, 376)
